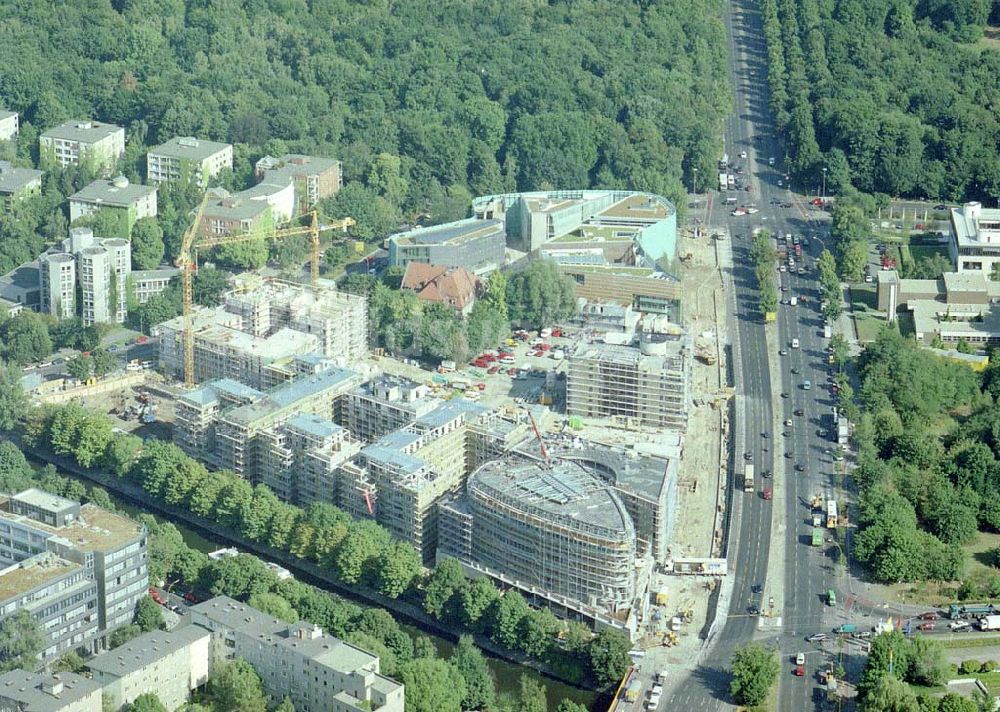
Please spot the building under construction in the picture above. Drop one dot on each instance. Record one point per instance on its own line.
(643, 385)
(385, 404)
(552, 529)
(260, 328)
(232, 426)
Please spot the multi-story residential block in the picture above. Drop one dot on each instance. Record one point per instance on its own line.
(57, 284)
(399, 479)
(129, 201)
(197, 411)
(646, 385)
(228, 213)
(184, 158)
(452, 287)
(83, 142)
(384, 404)
(61, 595)
(100, 267)
(300, 459)
(171, 664)
(319, 672)
(16, 184)
(110, 548)
(23, 691)
(477, 245)
(312, 178)
(258, 330)
(239, 432)
(9, 125)
(148, 283)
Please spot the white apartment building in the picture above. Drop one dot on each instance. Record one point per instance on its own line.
(975, 238)
(319, 672)
(188, 158)
(170, 663)
(25, 691)
(57, 279)
(133, 201)
(79, 141)
(9, 126)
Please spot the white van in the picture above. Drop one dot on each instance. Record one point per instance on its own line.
(794, 301)
(795, 343)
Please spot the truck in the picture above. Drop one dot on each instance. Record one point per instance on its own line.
(817, 537)
(831, 514)
(731, 181)
(748, 477)
(989, 623)
(817, 519)
(723, 182)
(633, 691)
(827, 331)
(846, 628)
(971, 610)
(794, 301)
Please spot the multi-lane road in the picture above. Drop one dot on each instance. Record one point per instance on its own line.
(797, 582)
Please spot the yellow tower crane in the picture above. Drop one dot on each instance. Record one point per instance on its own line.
(192, 239)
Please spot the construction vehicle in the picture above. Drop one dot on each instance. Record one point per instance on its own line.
(187, 261)
(817, 538)
(831, 514)
(705, 355)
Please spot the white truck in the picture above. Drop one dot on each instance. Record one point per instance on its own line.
(794, 301)
(748, 477)
(827, 331)
(989, 623)
(723, 182)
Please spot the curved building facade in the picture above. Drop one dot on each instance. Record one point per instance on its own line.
(553, 527)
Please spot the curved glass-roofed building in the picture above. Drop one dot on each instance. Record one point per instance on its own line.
(555, 527)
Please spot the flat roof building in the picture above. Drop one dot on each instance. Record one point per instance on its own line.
(110, 548)
(975, 238)
(147, 283)
(259, 328)
(83, 141)
(384, 404)
(24, 691)
(319, 672)
(185, 158)
(312, 178)
(647, 385)
(130, 201)
(96, 270)
(552, 529)
(171, 664)
(17, 183)
(477, 245)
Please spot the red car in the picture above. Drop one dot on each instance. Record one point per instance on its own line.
(929, 616)
(818, 202)
(800, 670)
(511, 372)
(492, 370)
(927, 626)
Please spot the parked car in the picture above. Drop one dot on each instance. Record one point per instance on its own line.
(929, 616)
(816, 638)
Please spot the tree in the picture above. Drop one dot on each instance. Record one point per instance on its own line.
(888, 650)
(507, 614)
(442, 583)
(79, 367)
(147, 244)
(239, 576)
(608, 657)
(24, 338)
(475, 598)
(754, 669)
(124, 634)
(236, 687)
(146, 702)
(890, 694)
(954, 702)
(532, 697)
(570, 706)
(15, 472)
(148, 614)
(397, 567)
(365, 541)
(70, 661)
(829, 284)
(480, 690)
(21, 640)
(274, 605)
(13, 401)
(540, 295)
(103, 362)
(850, 233)
(248, 254)
(930, 667)
(432, 686)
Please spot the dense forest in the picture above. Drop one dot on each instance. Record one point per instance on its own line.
(890, 96)
(426, 102)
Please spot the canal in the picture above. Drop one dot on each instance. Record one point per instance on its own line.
(507, 674)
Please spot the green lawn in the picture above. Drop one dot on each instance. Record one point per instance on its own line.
(918, 252)
(971, 641)
(865, 294)
(868, 326)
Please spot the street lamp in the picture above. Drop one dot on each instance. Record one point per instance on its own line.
(824, 184)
